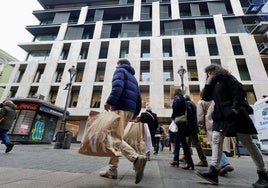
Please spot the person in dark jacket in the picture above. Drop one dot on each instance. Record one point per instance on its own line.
(151, 119)
(8, 113)
(178, 108)
(125, 100)
(230, 118)
(193, 138)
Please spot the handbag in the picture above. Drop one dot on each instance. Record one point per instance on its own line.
(173, 127)
(183, 118)
(102, 136)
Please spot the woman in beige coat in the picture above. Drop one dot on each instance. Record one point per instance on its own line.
(204, 119)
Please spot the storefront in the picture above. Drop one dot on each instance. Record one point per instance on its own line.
(36, 121)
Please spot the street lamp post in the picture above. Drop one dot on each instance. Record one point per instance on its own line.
(61, 133)
(181, 73)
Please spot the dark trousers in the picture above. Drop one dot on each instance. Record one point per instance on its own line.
(193, 139)
(180, 141)
(156, 145)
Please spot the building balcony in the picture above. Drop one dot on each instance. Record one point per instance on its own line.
(263, 48)
(255, 6)
(260, 28)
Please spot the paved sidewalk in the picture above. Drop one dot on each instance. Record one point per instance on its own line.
(31, 166)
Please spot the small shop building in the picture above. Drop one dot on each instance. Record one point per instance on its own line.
(36, 121)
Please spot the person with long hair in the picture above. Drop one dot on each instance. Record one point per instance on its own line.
(230, 118)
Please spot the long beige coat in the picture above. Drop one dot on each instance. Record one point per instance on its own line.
(204, 119)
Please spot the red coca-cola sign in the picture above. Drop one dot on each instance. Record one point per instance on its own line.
(27, 106)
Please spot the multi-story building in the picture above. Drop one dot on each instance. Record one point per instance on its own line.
(5, 69)
(157, 36)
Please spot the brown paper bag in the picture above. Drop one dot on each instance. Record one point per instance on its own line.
(134, 135)
(101, 137)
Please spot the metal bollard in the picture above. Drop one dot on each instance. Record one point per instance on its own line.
(59, 140)
(67, 140)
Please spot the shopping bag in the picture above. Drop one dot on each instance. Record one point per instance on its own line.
(173, 127)
(101, 136)
(134, 135)
(148, 138)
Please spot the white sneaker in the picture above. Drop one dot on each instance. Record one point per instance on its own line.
(112, 174)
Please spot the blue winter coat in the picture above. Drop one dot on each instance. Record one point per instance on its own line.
(125, 94)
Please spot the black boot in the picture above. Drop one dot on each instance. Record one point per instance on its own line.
(262, 181)
(211, 175)
(9, 147)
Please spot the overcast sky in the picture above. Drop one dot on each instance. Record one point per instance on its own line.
(14, 16)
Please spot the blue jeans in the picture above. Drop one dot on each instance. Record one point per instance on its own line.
(4, 137)
(224, 160)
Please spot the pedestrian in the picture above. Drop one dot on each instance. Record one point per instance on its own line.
(230, 118)
(151, 119)
(193, 138)
(179, 107)
(125, 100)
(158, 133)
(8, 115)
(204, 119)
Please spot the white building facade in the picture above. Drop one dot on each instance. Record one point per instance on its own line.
(157, 36)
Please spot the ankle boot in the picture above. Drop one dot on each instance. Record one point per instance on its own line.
(211, 175)
(262, 181)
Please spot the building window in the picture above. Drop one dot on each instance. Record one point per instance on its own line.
(84, 51)
(88, 32)
(20, 74)
(33, 92)
(243, 69)
(145, 29)
(168, 71)
(185, 9)
(100, 72)
(192, 70)
(65, 52)
(216, 61)
(12, 92)
(167, 48)
(168, 96)
(74, 97)
(145, 48)
(96, 97)
(124, 49)
(203, 7)
(165, 11)
(48, 37)
(189, 27)
(53, 94)
(189, 47)
(251, 97)
(59, 72)
(212, 46)
(79, 72)
(145, 95)
(236, 46)
(38, 56)
(104, 50)
(145, 71)
(39, 73)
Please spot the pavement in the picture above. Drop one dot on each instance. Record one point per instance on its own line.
(42, 166)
